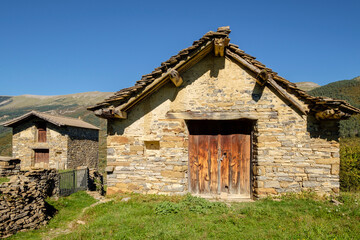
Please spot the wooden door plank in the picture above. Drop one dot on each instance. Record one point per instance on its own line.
(42, 135)
(46, 157)
(235, 164)
(225, 154)
(193, 162)
(203, 157)
(245, 164)
(213, 148)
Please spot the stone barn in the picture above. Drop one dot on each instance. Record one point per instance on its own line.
(48, 141)
(215, 122)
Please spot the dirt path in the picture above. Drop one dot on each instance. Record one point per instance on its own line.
(68, 229)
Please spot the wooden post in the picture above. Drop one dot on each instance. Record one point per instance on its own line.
(219, 46)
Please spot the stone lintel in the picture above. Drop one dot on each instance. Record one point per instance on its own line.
(210, 115)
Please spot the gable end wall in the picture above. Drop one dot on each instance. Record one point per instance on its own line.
(148, 152)
(25, 141)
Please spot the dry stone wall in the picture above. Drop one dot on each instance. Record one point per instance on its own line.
(22, 200)
(83, 147)
(9, 166)
(148, 152)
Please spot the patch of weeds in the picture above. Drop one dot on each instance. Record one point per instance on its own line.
(190, 204)
(165, 208)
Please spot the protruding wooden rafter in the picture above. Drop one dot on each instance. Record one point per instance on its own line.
(267, 78)
(219, 46)
(331, 114)
(175, 77)
(111, 112)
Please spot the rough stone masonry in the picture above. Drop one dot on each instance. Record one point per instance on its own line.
(149, 151)
(22, 200)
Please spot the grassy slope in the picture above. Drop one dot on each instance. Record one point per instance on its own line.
(5, 143)
(162, 217)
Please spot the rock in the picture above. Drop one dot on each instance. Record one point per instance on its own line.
(336, 202)
(126, 199)
(80, 222)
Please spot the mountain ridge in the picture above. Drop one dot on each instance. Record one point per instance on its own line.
(307, 86)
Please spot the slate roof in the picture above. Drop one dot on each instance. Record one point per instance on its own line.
(315, 104)
(56, 120)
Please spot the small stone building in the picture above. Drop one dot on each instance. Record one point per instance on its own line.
(215, 122)
(48, 141)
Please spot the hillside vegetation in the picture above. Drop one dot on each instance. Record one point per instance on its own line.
(348, 90)
(72, 105)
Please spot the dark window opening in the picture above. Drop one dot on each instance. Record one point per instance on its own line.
(223, 127)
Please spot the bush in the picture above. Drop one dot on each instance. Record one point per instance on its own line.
(350, 165)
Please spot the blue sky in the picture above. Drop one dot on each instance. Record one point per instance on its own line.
(62, 46)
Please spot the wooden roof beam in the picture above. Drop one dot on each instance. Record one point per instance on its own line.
(268, 80)
(110, 113)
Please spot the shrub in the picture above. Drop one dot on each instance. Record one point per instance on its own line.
(350, 165)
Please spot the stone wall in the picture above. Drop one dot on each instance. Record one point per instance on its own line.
(69, 147)
(83, 147)
(22, 201)
(25, 141)
(9, 166)
(148, 152)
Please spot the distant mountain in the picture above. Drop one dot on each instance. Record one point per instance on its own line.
(307, 86)
(348, 90)
(72, 105)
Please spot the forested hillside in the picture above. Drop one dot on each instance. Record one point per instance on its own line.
(348, 90)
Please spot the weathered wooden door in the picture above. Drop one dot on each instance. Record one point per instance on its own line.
(220, 164)
(41, 158)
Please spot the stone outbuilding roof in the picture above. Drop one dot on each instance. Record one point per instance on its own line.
(117, 105)
(56, 120)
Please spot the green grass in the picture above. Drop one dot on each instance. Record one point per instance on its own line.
(4, 179)
(69, 208)
(164, 217)
(159, 217)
